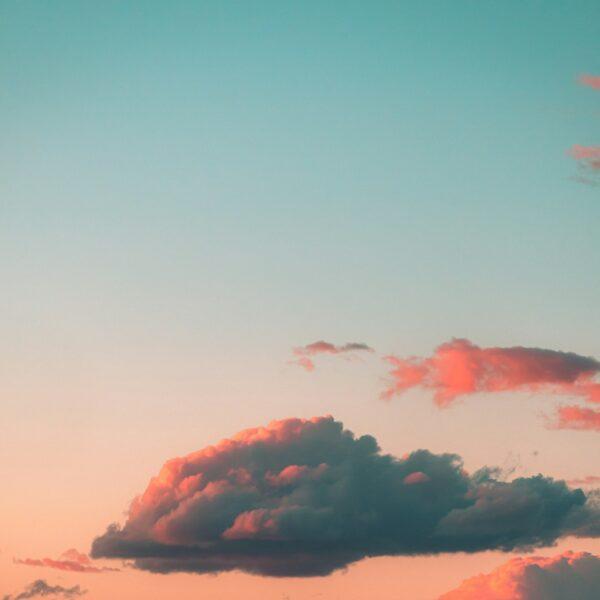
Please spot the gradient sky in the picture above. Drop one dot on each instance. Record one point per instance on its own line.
(189, 189)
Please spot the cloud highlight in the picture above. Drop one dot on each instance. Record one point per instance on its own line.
(574, 575)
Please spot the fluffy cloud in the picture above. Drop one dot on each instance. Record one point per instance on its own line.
(41, 588)
(592, 81)
(570, 575)
(304, 354)
(306, 497)
(71, 560)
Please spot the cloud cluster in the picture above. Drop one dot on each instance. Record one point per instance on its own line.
(42, 588)
(460, 368)
(71, 560)
(592, 81)
(306, 497)
(570, 575)
(304, 354)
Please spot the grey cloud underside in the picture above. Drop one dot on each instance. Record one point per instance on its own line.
(42, 588)
(357, 506)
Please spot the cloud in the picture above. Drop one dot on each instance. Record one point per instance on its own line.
(306, 497)
(71, 560)
(576, 417)
(460, 368)
(304, 353)
(573, 575)
(588, 158)
(592, 81)
(41, 588)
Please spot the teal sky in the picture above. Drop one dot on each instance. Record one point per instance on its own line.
(190, 189)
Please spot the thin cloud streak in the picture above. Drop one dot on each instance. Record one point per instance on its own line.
(41, 588)
(304, 354)
(71, 560)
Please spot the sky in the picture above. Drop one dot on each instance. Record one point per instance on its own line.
(191, 190)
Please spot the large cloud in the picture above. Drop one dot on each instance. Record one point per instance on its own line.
(460, 368)
(572, 576)
(42, 588)
(304, 354)
(305, 497)
(71, 560)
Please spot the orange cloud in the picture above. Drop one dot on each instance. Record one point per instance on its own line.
(304, 354)
(592, 81)
(42, 588)
(588, 156)
(460, 368)
(71, 560)
(416, 477)
(576, 417)
(568, 575)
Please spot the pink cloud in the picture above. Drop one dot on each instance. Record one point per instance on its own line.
(71, 560)
(588, 156)
(460, 368)
(304, 354)
(567, 575)
(592, 81)
(576, 417)
(416, 477)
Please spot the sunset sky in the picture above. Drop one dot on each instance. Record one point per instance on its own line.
(216, 215)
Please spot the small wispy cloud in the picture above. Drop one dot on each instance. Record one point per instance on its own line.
(592, 81)
(304, 354)
(587, 156)
(577, 417)
(71, 560)
(41, 588)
